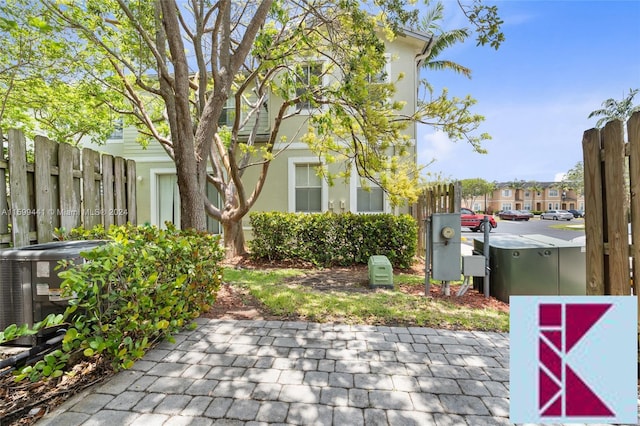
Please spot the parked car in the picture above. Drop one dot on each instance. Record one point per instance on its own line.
(576, 213)
(514, 215)
(473, 221)
(557, 215)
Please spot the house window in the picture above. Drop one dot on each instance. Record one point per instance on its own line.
(228, 114)
(310, 79)
(527, 206)
(370, 199)
(477, 207)
(550, 206)
(527, 194)
(557, 207)
(117, 129)
(506, 193)
(376, 81)
(308, 189)
(553, 193)
(506, 206)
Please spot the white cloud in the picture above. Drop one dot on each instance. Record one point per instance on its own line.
(559, 177)
(435, 146)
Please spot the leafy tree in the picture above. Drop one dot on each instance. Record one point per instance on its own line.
(41, 75)
(574, 178)
(177, 65)
(616, 110)
(474, 188)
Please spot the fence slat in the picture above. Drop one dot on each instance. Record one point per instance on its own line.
(107, 190)
(69, 204)
(18, 188)
(617, 233)
(633, 131)
(593, 217)
(4, 207)
(132, 202)
(91, 206)
(119, 191)
(44, 150)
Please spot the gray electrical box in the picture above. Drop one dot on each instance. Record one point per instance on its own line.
(534, 265)
(473, 266)
(445, 246)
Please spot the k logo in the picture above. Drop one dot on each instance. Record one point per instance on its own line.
(573, 359)
(559, 387)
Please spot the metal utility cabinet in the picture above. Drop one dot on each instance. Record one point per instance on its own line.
(534, 265)
(29, 282)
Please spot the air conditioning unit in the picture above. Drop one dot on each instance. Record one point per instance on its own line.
(29, 283)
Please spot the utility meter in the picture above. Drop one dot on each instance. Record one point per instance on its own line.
(448, 232)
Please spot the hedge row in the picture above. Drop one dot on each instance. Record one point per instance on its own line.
(333, 239)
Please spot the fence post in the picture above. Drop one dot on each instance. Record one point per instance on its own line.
(593, 218)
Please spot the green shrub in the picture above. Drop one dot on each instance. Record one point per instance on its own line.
(333, 239)
(141, 287)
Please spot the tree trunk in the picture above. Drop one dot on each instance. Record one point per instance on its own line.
(233, 238)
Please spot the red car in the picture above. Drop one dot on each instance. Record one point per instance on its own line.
(473, 221)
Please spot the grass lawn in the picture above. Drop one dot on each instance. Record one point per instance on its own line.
(277, 290)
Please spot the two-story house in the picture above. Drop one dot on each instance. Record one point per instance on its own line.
(292, 184)
(532, 196)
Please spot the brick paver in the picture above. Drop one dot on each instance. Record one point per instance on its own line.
(258, 372)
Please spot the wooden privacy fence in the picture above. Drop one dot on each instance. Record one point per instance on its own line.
(612, 207)
(63, 187)
(436, 199)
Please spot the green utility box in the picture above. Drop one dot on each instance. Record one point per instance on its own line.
(533, 265)
(380, 272)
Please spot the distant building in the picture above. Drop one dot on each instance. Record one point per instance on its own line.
(533, 196)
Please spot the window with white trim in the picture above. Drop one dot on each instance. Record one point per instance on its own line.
(477, 207)
(527, 206)
(527, 194)
(506, 193)
(308, 188)
(506, 206)
(557, 207)
(369, 199)
(553, 193)
(310, 77)
(550, 206)
(228, 114)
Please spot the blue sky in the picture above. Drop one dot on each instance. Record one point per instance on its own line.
(560, 61)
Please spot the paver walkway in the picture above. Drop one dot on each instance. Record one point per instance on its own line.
(278, 372)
